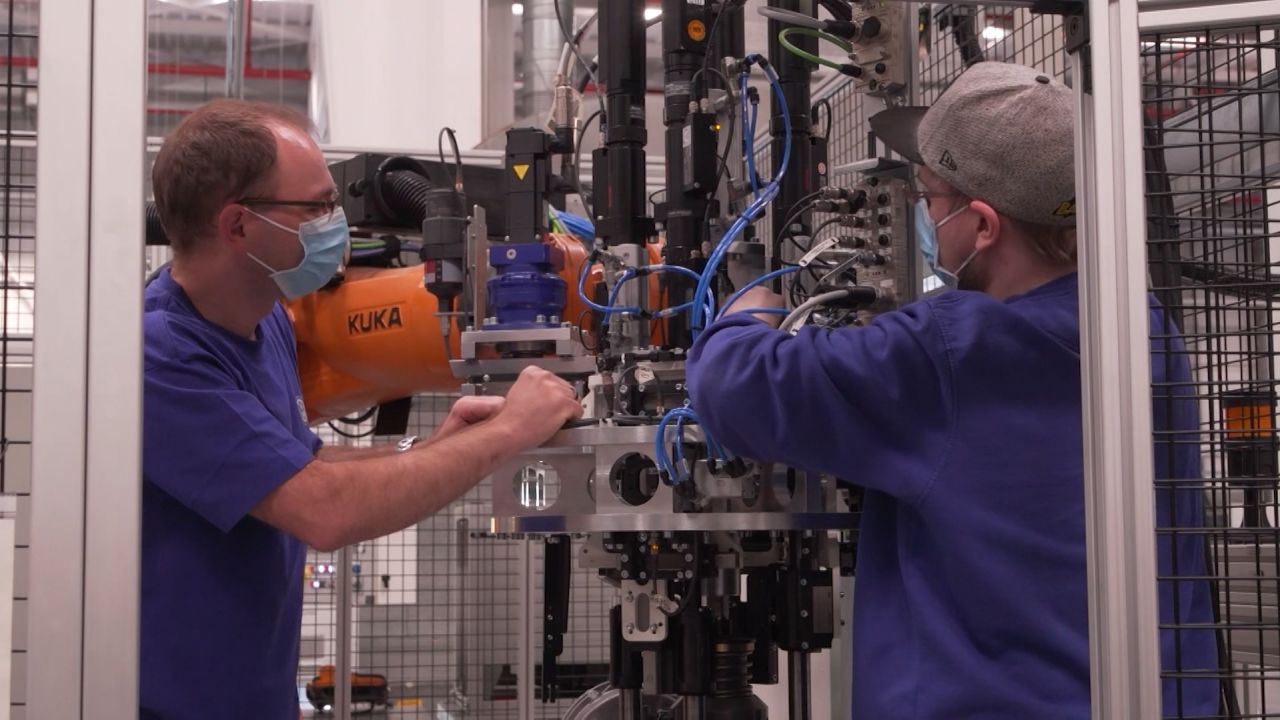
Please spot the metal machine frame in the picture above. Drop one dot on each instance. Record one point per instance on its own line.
(84, 530)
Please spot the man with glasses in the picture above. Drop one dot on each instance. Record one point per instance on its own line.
(235, 484)
(961, 416)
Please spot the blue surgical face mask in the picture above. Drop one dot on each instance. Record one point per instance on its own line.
(324, 245)
(927, 239)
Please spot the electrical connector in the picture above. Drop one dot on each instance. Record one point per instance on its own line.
(832, 206)
(846, 29)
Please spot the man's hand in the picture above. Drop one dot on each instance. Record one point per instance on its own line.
(538, 405)
(757, 298)
(466, 412)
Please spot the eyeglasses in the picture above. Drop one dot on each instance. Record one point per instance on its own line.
(325, 208)
(917, 195)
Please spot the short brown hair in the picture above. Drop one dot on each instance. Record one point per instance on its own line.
(1054, 243)
(220, 153)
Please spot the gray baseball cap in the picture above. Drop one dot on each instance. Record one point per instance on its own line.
(1001, 133)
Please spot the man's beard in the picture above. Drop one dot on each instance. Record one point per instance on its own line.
(975, 275)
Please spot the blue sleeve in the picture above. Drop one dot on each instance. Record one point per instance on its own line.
(210, 445)
(285, 327)
(872, 405)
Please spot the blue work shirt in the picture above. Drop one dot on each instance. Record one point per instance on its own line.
(223, 426)
(961, 416)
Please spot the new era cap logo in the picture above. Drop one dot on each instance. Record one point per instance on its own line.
(947, 161)
(1066, 209)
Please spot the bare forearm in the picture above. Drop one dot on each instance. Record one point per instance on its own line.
(388, 493)
(346, 453)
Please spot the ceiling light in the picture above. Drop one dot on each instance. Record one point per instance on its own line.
(651, 13)
(517, 8)
(994, 34)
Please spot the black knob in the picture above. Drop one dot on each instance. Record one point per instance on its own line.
(870, 28)
(883, 199)
(881, 68)
(884, 220)
(885, 241)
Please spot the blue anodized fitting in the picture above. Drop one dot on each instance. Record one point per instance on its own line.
(527, 291)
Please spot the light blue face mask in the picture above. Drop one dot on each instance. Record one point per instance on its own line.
(324, 245)
(927, 239)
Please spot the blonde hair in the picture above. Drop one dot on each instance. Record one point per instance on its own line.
(1054, 243)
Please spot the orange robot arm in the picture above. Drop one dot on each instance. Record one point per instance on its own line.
(376, 338)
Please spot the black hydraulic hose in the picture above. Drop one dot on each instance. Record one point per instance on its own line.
(405, 194)
(839, 9)
(155, 231)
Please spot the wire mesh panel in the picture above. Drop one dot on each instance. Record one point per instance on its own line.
(1212, 109)
(436, 609)
(584, 663)
(18, 26)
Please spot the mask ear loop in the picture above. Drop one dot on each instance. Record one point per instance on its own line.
(967, 260)
(269, 221)
(951, 215)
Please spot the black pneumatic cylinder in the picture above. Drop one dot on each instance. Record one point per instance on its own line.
(626, 666)
(619, 165)
(690, 151)
(444, 240)
(793, 75)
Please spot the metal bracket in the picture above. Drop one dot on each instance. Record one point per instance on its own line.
(643, 606)
(1077, 41)
(555, 603)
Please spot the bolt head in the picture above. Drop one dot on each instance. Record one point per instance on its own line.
(804, 646)
(804, 613)
(631, 627)
(803, 582)
(688, 557)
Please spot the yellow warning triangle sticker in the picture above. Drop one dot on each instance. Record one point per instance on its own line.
(520, 171)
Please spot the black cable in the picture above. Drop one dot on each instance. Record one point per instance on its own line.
(359, 418)
(568, 38)
(711, 41)
(362, 418)
(457, 156)
(823, 103)
(839, 9)
(577, 167)
(796, 211)
(724, 161)
(728, 86)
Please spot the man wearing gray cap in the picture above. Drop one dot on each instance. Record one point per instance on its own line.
(961, 416)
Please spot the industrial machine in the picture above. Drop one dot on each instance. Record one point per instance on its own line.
(718, 561)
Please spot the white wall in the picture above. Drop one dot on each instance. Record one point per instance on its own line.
(396, 71)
